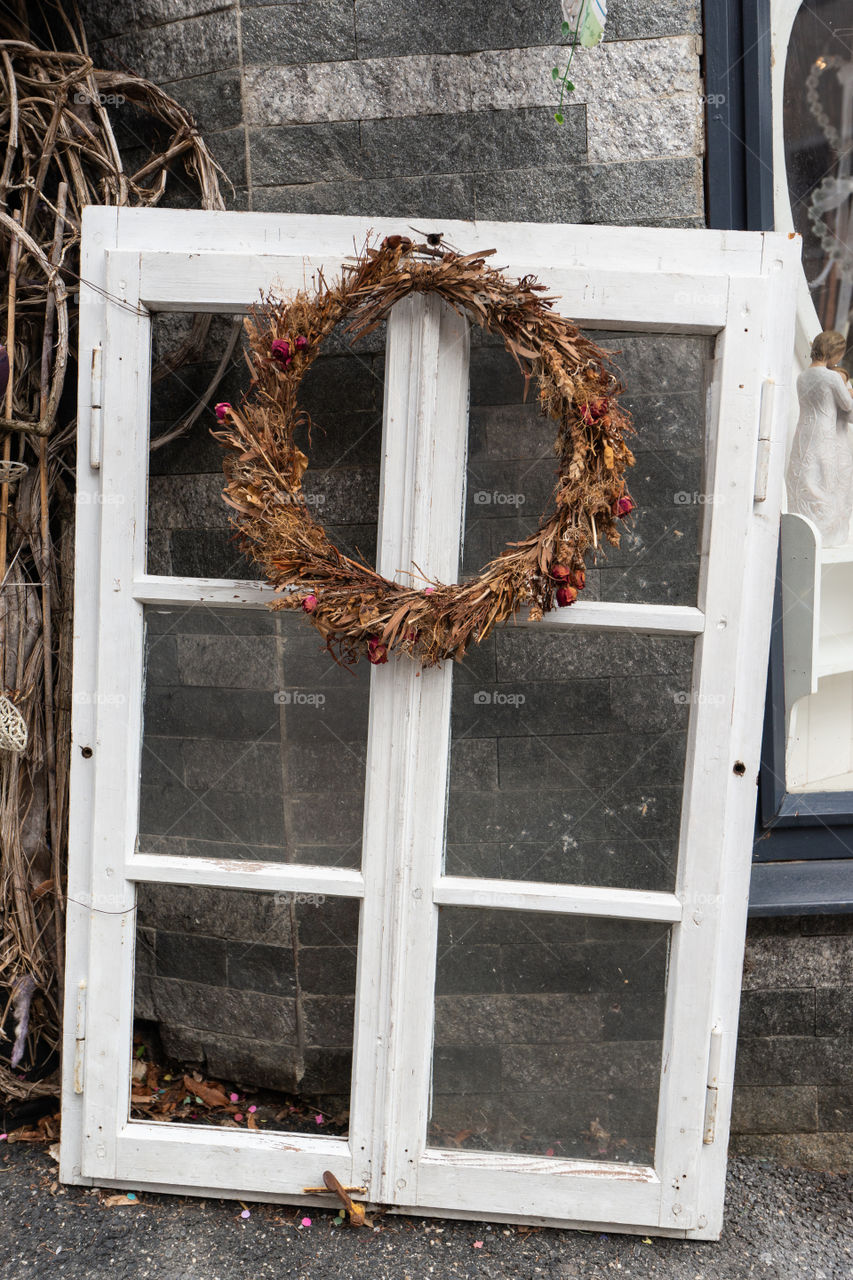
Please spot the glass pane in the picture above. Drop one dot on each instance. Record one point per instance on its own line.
(254, 739)
(567, 758)
(548, 1034)
(817, 132)
(244, 1008)
(189, 529)
(512, 470)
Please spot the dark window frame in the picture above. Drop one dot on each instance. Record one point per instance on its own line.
(803, 854)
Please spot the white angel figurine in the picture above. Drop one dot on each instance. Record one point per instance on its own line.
(820, 470)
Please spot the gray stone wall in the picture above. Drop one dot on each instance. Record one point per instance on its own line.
(428, 112)
(794, 1076)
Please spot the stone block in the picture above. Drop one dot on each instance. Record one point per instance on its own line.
(497, 431)
(200, 553)
(192, 958)
(431, 197)
(291, 154)
(779, 1109)
(327, 1071)
(559, 818)
(231, 817)
(238, 914)
(322, 31)
(246, 1015)
(226, 662)
(329, 1021)
(469, 969)
(795, 1060)
(629, 1065)
(239, 715)
(162, 762)
(255, 966)
(470, 142)
(522, 706)
(388, 29)
(835, 1109)
(264, 1063)
(474, 764)
(644, 20)
(562, 657)
(466, 1070)
(253, 767)
(632, 193)
(819, 1151)
(332, 921)
(777, 1013)
(782, 963)
(479, 1020)
(833, 1010)
(166, 53)
(327, 970)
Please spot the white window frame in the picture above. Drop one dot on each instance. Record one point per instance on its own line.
(736, 286)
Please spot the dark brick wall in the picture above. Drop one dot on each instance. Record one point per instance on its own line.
(434, 111)
(794, 1078)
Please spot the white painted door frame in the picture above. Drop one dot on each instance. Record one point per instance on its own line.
(739, 287)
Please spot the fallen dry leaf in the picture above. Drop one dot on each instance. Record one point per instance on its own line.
(212, 1094)
(111, 1202)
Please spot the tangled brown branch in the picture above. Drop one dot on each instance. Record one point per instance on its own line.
(59, 154)
(357, 611)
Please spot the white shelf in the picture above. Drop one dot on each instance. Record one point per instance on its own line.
(837, 555)
(835, 655)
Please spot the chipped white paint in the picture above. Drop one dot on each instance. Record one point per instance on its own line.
(741, 288)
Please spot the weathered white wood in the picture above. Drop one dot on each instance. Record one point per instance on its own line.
(284, 877)
(423, 470)
(572, 899)
(801, 557)
(220, 592)
(596, 615)
(533, 246)
(217, 282)
(720, 801)
(604, 615)
(421, 508)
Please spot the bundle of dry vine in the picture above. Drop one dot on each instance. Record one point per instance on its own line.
(359, 612)
(61, 155)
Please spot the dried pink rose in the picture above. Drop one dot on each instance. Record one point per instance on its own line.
(624, 506)
(301, 342)
(309, 604)
(222, 410)
(280, 351)
(377, 652)
(566, 595)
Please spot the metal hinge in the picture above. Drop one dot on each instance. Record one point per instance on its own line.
(80, 1036)
(709, 1130)
(765, 439)
(95, 404)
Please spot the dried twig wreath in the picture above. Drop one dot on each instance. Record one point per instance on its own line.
(357, 611)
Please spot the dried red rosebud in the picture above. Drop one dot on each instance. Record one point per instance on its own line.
(309, 604)
(280, 351)
(578, 578)
(624, 507)
(222, 410)
(593, 410)
(566, 595)
(428, 591)
(301, 342)
(377, 652)
(560, 572)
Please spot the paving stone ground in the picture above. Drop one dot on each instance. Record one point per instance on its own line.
(782, 1224)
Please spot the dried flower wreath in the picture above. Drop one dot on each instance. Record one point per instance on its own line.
(356, 610)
